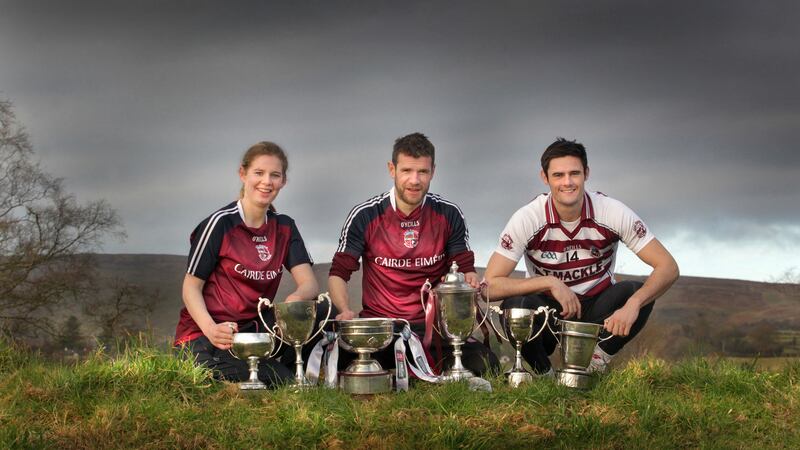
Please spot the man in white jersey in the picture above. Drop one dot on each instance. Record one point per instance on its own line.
(569, 240)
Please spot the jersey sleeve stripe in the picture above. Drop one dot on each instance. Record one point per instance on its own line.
(201, 244)
(353, 213)
(441, 199)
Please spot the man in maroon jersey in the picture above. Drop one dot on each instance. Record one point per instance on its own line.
(569, 240)
(404, 237)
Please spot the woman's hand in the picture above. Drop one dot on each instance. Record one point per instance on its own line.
(221, 334)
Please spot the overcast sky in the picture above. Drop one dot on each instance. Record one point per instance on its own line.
(688, 111)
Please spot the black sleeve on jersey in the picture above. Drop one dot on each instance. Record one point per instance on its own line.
(297, 253)
(459, 236)
(352, 239)
(206, 241)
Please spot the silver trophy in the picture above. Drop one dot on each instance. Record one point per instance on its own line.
(294, 325)
(576, 343)
(518, 324)
(252, 347)
(457, 303)
(365, 336)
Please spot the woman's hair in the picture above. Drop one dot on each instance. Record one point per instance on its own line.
(264, 148)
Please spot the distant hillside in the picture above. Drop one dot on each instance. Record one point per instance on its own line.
(702, 314)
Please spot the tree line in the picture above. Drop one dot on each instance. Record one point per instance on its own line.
(47, 272)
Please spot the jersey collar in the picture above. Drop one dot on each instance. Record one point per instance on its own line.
(587, 210)
(393, 200)
(241, 213)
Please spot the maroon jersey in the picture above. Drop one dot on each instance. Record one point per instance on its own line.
(400, 252)
(239, 264)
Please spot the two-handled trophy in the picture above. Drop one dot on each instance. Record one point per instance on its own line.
(518, 325)
(456, 302)
(577, 341)
(294, 325)
(365, 336)
(252, 346)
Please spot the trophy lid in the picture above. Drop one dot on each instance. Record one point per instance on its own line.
(454, 282)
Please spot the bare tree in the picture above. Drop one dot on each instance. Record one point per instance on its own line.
(120, 308)
(44, 234)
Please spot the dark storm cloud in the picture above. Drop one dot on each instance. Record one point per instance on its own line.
(688, 110)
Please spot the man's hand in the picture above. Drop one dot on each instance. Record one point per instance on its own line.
(472, 279)
(570, 305)
(293, 297)
(346, 315)
(221, 334)
(620, 323)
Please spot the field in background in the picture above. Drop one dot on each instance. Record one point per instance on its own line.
(698, 316)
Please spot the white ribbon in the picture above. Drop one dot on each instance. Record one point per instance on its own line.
(326, 349)
(401, 369)
(419, 365)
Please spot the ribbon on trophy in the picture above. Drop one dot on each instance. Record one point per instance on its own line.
(418, 365)
(326, 350)
(430, 318)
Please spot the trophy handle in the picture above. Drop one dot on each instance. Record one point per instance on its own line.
(272, 331)
(485, 313)
(403, 321)
(322, 297)
(427, 288)
(497, 311)
(554, 333)
(605, 338)
(546, 324)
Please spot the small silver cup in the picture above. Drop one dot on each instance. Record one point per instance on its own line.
(576, 345)
(253, 347)
(518, 324)
(294, 325)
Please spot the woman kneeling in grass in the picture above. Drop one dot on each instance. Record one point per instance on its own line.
(236, 256)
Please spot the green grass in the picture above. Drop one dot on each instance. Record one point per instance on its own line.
(145, 397)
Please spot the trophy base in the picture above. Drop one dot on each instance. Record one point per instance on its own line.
(517, 378)
(252, 386)
(574, 378)
(365, 383)
(457, 375)
(299, 386)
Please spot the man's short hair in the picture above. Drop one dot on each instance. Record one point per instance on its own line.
(415, 145)
(562, 147)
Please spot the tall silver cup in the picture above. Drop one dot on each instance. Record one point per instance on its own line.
(518, 327)
(457, 304)
(294, 325)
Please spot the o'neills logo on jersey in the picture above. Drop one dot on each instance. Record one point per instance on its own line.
(263, 252)
(411, 238)
(255, 274)
(409, 224)
(408, 262)
(259, 239)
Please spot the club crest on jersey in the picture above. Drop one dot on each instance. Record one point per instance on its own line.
(507, 242)
(263, 252)
(595, 252)
(410, 238)
(639, 228)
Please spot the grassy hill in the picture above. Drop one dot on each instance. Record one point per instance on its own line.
(148, 398)
(696, 314)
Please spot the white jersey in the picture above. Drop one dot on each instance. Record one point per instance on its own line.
(583, 258)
